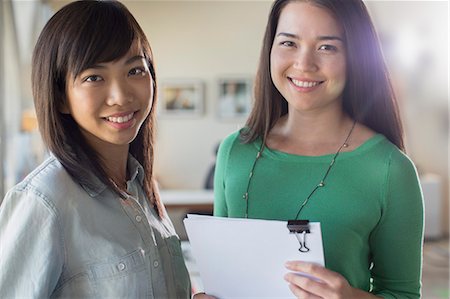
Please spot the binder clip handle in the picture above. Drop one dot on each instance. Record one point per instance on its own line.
(300, 228)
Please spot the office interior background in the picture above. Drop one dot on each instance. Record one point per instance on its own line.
(199, 45)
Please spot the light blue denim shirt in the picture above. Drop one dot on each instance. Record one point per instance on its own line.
(61, 239)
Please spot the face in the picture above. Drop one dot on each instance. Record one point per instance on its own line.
(110, 101)
(307, 61)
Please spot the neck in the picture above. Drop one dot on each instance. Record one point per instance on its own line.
(308, 134)
(309, 127)
(115, 162)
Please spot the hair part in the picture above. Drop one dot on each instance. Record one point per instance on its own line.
(81, 34)
(368, 96)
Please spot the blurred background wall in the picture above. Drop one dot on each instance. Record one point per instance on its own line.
(209, 40)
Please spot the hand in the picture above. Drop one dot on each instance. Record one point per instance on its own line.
(203, 296)
(332, 285)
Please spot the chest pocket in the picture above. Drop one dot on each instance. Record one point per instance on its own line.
(121, 277)
(177, 276)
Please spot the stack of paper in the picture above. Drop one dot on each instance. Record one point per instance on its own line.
(244, 258)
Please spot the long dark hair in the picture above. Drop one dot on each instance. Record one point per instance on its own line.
(368, 96)
(78, 36)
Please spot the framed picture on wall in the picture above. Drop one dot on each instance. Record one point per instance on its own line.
(181, 97)
(234, 98)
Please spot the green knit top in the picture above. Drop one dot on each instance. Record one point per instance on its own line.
(370, 209)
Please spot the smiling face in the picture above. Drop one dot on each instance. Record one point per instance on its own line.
(110, 101)
(307, 61)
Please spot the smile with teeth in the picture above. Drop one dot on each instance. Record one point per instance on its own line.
(120, 119)
(305, 84)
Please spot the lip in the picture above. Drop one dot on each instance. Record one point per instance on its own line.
(120, 123)
(305, 84)
(120, 114)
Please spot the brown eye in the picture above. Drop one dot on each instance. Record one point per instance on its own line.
(93, 78)
(328, 48)
(137, 71)
(287, 44)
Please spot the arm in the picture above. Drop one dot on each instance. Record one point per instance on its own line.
(220, 205)
(31, 255)
(396, 243)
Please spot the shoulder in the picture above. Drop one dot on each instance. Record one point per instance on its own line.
(382, 159)
(401, 164)
(229, 143)
(48, 174)
(393, 156)
(233, 152)
(230, 140)
(33, 200)
(48, 183)
(399, 169)
(376, 148)
(365, 138)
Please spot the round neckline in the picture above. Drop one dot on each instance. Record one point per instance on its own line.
(280, 155)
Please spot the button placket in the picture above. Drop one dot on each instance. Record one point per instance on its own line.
(135, 212)
(137, 209)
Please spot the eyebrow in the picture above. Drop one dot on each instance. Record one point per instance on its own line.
(134, 58)
(129, 61)
(322, 37)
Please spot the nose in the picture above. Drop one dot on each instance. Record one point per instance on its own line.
(120, 93)
(305, 61)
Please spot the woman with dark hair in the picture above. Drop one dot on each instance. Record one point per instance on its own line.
(88, 222)
(324, 142)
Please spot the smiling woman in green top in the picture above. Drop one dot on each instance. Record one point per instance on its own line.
(324, 142)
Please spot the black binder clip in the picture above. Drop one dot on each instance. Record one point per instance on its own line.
(300, 228)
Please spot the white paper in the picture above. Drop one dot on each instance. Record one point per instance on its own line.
(244, 258)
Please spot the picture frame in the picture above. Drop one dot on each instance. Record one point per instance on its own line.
(181, 97)
(234, 97)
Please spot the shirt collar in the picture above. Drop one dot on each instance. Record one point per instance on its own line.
(134, 168)
(95, 188)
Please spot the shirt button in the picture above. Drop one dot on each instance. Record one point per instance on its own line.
(155, 264)
(138, 218)
(121, 266)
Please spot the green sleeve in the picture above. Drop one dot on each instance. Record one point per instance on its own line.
(396, 243)
(220, 205)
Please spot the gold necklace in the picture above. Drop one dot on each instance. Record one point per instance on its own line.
(319, 185)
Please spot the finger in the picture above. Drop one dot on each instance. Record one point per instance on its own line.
(203, 296)
(309, 285)
(299, 293)
(312, 269)
(334, 282)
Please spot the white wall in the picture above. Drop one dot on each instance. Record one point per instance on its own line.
(199, 40)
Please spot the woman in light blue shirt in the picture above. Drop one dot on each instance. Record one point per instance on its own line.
(88, 222)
